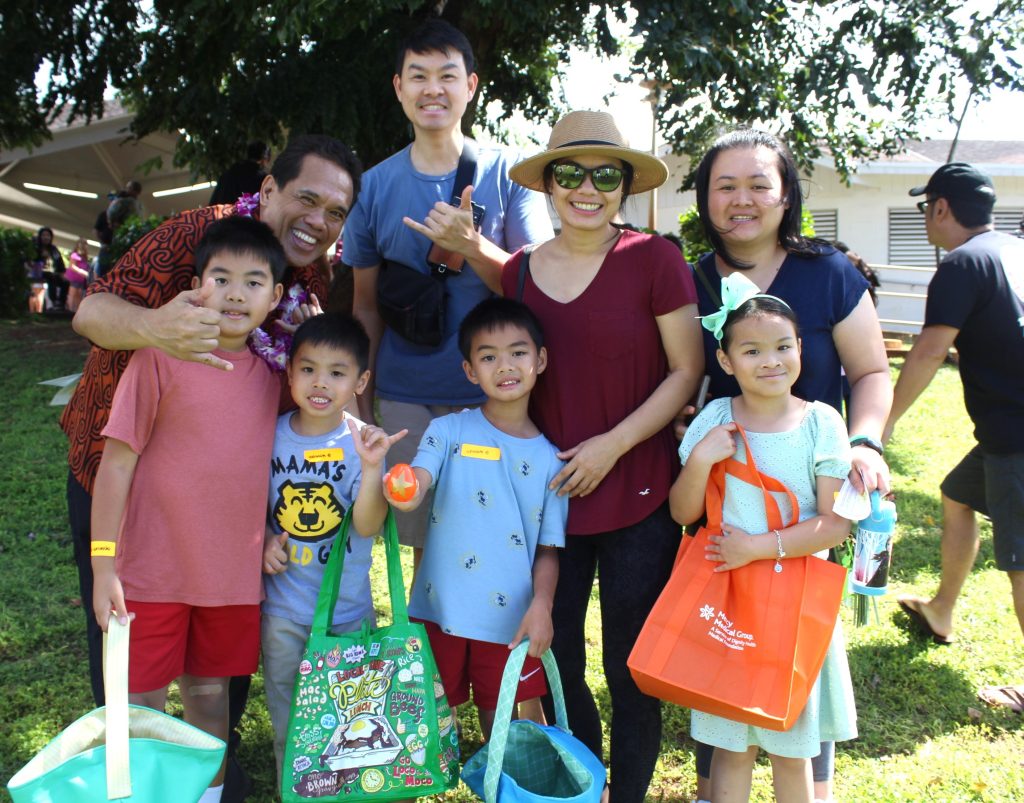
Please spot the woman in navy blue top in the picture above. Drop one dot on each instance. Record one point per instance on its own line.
(750, 205)
(749, 200)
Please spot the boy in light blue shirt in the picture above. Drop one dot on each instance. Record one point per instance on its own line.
(490, 564)
(319, 458)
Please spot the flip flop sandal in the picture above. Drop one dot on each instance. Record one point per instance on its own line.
(1011, 697)
(919, 624)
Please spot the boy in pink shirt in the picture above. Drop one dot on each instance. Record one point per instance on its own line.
(181, 492)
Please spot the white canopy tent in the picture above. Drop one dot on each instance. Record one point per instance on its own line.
(95, 159)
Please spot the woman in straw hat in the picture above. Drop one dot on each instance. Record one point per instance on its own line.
(625, 354)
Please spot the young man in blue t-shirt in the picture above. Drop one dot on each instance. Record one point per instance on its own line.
(405, 208)
(489, 569)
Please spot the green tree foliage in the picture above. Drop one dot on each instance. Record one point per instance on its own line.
(843, 77)
(79, 46)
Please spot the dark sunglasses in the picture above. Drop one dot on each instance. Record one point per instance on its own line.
(922, 206)
(569, 176)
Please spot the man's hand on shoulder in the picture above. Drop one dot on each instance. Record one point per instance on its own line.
(185, 329)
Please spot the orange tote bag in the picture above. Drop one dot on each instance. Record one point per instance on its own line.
(746, 644)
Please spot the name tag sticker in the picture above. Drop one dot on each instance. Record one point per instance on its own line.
(481, 452)
(323, 455)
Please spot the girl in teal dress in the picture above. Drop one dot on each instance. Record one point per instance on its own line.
(804, 445)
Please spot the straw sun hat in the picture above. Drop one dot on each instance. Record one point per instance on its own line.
(581, 133)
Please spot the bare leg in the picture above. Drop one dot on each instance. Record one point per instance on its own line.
(703, 787)
(732, 775)
(791, 779)
(959, 548)
(206, 707)
(35, 299)
(486, 722)
(1017, 584)
(532, 710)
(155, 699)
(823, 790)
(1009, 696)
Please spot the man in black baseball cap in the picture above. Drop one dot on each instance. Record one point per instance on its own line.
(975, 302)
(960, 181)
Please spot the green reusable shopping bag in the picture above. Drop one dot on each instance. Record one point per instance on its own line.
(121, 751)
(369, 718)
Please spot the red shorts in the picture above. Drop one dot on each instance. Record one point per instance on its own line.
(170, 639)
(466, 662)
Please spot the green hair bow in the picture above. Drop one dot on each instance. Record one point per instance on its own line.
(736, 288)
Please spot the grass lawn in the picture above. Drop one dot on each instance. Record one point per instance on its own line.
(924, 735)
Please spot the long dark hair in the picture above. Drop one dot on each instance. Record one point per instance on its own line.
(790, 237)
(44, 251)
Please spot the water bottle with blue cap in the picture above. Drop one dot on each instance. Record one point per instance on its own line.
(872, 551)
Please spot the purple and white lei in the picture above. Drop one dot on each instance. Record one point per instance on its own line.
(272, 349)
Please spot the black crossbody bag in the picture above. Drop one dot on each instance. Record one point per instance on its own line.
(412, 303)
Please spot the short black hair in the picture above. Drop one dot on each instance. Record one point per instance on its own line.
(241, 235)
(435, 34)
(496, 313)
(758, 307)
(970, 211)
(337, 330)
(288, 164)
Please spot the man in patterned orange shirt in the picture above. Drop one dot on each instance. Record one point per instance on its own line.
(145, 300)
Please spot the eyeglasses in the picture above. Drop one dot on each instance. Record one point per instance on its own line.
(569, 176)
(922, 206)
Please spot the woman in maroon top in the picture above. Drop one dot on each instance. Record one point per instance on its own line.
(624, 348)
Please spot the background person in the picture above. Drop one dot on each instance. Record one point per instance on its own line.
(101, 230)
(77, 273)
(976, 303)
(750, 206)
(624, 353)
(49, 265)
(243, 177)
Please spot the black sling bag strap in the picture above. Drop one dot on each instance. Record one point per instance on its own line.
(411, 302)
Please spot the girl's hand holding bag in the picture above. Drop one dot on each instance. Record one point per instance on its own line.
(746, 644)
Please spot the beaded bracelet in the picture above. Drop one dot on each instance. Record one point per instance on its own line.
(781, 553)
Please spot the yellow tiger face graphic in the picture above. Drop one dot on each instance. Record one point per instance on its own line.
(307, 510)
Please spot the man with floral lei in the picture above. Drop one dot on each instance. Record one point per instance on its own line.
(146, 300)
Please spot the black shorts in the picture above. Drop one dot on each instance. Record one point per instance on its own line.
(993, 484)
